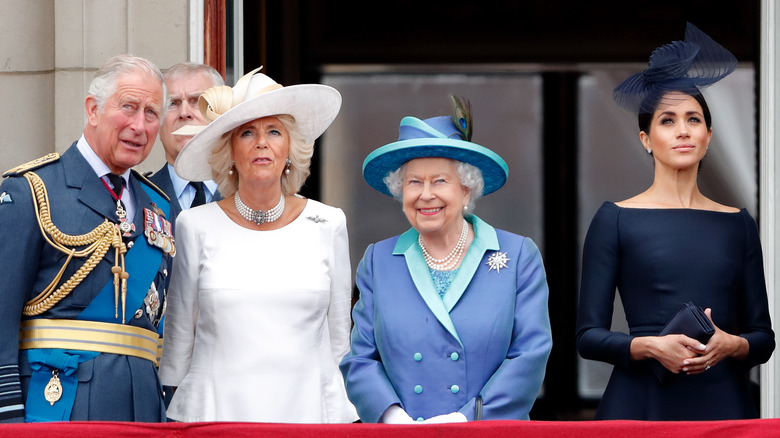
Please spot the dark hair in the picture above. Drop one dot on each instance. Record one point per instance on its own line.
(646, 119)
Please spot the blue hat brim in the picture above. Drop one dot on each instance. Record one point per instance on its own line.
(390, 157)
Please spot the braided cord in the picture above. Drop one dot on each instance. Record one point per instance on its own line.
(97, 243)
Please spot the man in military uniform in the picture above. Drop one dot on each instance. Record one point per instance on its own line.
(85, 250)
(185, 83)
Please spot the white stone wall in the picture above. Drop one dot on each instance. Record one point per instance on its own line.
(49, 50)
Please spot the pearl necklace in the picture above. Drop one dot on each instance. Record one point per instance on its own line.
(259, 216)
(452, 259)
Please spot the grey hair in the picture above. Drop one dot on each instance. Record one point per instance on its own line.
(184, 69)
(300, 153)
(470, 177)
(104, 82)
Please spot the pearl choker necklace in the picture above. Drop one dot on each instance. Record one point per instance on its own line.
(452, 259)
(259, 216)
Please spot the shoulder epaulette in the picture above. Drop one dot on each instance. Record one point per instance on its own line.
(32, 165)
(142, 178)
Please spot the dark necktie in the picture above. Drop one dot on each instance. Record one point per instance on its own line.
(118, 182)
(200, 194)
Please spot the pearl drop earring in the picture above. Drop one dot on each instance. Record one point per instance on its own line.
(287, 167)
(233, 164)
(649, 150)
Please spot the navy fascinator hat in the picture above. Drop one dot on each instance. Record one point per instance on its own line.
(680, 66)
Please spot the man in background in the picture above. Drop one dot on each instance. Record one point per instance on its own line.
(185, 83)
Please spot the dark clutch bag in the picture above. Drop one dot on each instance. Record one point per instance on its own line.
(690, 321)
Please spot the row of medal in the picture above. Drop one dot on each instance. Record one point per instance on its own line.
(158, 231)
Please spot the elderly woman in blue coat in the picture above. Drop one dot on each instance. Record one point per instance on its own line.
(452, 322)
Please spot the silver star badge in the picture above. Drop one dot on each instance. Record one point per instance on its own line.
(497, 261)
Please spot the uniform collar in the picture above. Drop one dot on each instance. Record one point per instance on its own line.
(100, 168)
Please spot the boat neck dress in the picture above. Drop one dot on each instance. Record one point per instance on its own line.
(658, 259)
(258, 321)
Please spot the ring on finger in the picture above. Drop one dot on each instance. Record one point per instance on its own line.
(707, 366)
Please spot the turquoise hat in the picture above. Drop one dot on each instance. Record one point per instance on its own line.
(434, 137)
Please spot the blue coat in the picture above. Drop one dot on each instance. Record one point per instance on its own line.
(110, 387)
(489, 336)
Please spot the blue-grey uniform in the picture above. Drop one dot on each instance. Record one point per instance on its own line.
(162, 179)
(107, 369)
(481, 349)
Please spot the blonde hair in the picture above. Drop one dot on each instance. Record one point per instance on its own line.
(300, 153)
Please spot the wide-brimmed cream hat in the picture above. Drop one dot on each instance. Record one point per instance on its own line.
(255, 95)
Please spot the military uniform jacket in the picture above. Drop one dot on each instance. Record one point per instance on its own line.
(488, 337)
(162, 179)
(110, 387)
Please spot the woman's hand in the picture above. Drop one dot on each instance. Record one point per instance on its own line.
(720, 346)
(671, 350)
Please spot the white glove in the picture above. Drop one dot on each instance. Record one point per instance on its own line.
(453, 417)
(396, 415)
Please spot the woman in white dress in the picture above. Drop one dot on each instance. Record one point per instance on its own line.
(259, 301)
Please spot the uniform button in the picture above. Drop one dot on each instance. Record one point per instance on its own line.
(455, 356)
(165, 272)
(418, 389)
(129, 244)
(417, 357)
(139, 313)
(454, 389)
(420, 419)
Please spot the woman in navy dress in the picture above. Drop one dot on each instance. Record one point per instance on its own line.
(670, 245)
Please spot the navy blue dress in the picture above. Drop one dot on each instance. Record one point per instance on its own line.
(658, 259)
